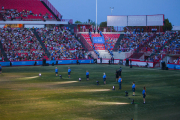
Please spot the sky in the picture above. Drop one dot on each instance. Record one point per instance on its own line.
(83, 10)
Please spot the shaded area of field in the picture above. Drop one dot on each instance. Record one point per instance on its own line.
(25, 95)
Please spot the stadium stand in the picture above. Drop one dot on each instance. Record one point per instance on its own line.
(24, 10)
(61, 44)
(131, 42)
(1, 56)
(20, 44)
(110, 40)
(87, 38)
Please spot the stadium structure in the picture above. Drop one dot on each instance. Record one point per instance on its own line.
(33, 32)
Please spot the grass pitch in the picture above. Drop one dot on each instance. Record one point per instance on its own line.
(25, 95)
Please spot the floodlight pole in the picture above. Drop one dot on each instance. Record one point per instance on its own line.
(111, 10)
(111, 15)
(96, 15)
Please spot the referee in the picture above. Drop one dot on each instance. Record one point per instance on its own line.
(120, 70)
(117, 75)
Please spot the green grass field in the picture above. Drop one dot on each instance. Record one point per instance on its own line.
(24, 95)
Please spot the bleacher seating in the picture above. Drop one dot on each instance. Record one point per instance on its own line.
(25, 9)
(61, 44)
(20, 44)
(1, 56)
(131, 42)
(87, 38)
(110, 40)
(98, 46)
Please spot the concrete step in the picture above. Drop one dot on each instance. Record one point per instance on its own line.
(104, 54)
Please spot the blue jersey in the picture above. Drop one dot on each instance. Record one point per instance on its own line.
(56, 70)
(143, 92)
(0, 67)
(87, 73)
(69, 70)
(104, 76)
(133, 86)
(119, 80)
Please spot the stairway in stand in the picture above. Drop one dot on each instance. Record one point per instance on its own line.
(42, 44)
(104, 54)
(116, 47)
(49, 9)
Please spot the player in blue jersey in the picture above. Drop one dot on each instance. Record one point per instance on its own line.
(144, 93)
(119, 81)
(0, 69)
(69, 72)
(133, 88)
(104, 78)
(87, 75)
(56, 71)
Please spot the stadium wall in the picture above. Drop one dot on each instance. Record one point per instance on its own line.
(173, 66)
(31, 63)
(134, 62)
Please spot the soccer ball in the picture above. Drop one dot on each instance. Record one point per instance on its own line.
(79, 79)
(39, 74)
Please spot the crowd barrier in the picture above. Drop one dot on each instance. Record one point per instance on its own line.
(134, 62)
(30, 63)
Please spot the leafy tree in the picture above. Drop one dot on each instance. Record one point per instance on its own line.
(103, 24)
(167, 25)
(77, 22)
(91, 22)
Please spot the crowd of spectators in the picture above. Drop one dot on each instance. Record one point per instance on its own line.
(14, 14)
(163, 44)
(172, 46)
(61, 44)
(131, 42)
(110, 42)
(20, 44)
(158, 42)
(1, 56)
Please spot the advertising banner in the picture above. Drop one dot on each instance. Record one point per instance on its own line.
(98, 40)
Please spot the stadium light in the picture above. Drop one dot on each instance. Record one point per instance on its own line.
(112, 8)
(96, 15)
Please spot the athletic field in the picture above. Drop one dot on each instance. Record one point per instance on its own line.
(26, 96)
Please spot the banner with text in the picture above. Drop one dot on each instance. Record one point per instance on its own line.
(98, 40)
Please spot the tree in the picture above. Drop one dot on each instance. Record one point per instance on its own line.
(91, 22)
(78, 22)
(103, 24)
(167, 25)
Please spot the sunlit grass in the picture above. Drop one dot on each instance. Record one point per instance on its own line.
(25, 95)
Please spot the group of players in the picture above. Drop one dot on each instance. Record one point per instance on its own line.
(118, 79)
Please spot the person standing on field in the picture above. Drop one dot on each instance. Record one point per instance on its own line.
(117, 75)
(144, 93)
(133, 88)
(69, 72)
(104, 78)
(120, 81)
(87, 75)
(56, 71)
